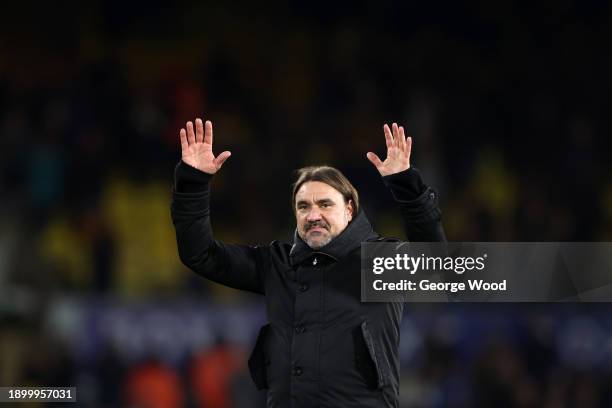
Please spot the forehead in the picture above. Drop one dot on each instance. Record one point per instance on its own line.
(317, 190)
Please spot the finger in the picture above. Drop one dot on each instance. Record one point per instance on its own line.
(402, 139)
(220, 159)
(388, 137)
(183, 137)
(395, 134)
(208, 132)
(374, 159)
(190, 134)
(408, 147)
(199, 130)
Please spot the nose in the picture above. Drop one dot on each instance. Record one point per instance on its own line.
(313, 215)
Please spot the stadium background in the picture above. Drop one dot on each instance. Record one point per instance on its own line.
(508, 104)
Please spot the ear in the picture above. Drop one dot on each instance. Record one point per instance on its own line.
(349, 209)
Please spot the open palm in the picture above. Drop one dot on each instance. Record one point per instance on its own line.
(399, 148)
(196, 147)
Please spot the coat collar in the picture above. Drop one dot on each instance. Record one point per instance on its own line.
(357, 231)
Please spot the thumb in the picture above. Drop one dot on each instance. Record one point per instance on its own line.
(372, 157)
(220, 159)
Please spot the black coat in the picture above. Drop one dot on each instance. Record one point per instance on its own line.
(322, 346)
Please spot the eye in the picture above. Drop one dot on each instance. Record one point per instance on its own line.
(324, 205)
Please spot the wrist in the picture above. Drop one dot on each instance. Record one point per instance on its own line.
(188, 179)
(405, 185)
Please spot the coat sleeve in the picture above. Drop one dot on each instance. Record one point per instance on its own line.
(418, 205)
(237, 266)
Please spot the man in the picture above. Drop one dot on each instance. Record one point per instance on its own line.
(322, 346)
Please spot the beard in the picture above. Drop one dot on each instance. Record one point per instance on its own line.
(319, 239)
(318, 242)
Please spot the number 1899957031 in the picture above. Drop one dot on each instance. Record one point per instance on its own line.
(42, 394)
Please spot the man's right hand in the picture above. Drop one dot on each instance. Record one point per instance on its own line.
(196, 148)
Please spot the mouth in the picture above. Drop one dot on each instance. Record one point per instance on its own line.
(317, 228)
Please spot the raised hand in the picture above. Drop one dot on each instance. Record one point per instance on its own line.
(398, 152)
(196, 148)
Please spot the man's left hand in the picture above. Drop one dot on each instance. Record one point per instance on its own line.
(398, 152)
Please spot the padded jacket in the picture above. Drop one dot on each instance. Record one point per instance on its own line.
(322, 347)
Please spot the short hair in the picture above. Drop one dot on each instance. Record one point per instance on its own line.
(330, 176)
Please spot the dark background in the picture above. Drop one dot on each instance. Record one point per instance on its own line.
(508, 106)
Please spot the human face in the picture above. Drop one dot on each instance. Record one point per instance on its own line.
(321, 213)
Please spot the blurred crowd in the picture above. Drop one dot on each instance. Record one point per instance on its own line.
(506, 103)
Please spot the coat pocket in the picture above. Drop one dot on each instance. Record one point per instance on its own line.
(259, 360)
(376, 359)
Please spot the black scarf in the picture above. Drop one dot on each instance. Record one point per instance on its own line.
(356, 232)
